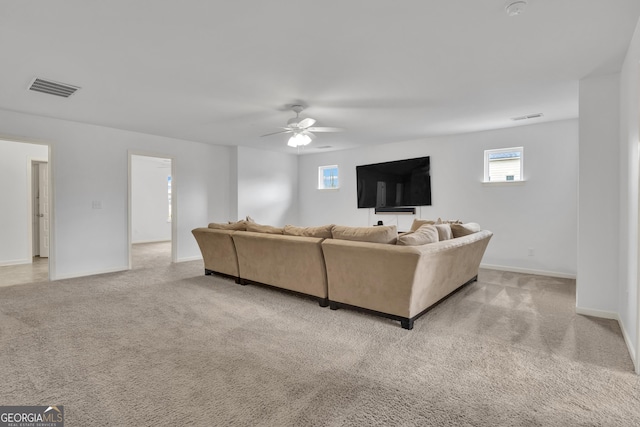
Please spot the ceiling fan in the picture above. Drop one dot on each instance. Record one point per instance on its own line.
(302, 128)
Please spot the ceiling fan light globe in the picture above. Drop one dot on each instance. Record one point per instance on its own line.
(299, 139)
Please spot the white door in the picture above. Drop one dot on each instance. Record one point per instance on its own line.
(43, 202)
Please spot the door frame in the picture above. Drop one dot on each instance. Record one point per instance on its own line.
(174, 203)
(52, 209)
(34, 161)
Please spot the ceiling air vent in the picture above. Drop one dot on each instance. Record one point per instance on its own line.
(527, 117)
(323, 147)
(53, 88)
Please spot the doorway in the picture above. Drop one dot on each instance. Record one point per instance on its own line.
(151, 211)
(40, 218)
(27, 214)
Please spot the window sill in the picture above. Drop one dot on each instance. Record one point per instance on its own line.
(329, 189)
(498, 183)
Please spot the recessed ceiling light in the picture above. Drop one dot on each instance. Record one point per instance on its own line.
(515, 8)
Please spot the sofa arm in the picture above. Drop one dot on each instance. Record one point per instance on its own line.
(218, 250)
(400, 280)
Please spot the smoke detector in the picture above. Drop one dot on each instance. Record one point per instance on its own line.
(515, 8)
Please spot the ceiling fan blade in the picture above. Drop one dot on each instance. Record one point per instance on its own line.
(305, 123)
(325, 129)
(276, 133)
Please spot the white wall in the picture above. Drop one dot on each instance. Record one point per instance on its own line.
(598, 218)
(539, 214)
(267, 186)
(90, 163)
(15, 223)
(149, 199)
(628, 232)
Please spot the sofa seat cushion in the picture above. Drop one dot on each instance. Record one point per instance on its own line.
(323, 231)
(459, 230)
(377, 234)
(424, 235)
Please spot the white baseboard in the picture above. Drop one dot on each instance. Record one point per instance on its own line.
(598, 313)
(16, 262)
(89, 273)
(614, 316)
(632, 351)
(191, 258)
(150, 241)
(529, 271)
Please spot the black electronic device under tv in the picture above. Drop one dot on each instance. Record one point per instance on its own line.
(394, 184)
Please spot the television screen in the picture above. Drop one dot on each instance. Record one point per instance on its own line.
(394, 184)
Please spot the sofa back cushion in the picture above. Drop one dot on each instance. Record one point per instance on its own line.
(240, 225)
(323, 231)
(377, 234)
(259, 228)
(459, 230)
(424, 235)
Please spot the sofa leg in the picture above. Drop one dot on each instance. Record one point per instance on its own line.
(208, 272)
(407, 324)
(242, 282)
(475, 279)
(333, 305)
(323, 302)
(237, 280)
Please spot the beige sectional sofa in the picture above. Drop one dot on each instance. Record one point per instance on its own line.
(367, 268)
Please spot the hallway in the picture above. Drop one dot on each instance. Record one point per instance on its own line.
(144, 255)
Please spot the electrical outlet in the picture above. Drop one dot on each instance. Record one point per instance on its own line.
(531, 252)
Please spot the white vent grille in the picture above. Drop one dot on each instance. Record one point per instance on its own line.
(323, 147)
(527, 117)
(53, 88)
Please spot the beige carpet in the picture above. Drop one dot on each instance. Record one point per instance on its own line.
(169, 346)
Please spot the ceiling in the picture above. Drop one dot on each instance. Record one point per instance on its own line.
(221, 72)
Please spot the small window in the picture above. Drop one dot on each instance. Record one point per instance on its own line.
(504, 165)
(328, 177)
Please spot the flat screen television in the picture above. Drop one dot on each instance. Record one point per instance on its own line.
(394, 184)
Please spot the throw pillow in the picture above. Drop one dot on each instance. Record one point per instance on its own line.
(448, 221)
(259, 228)
(444, 231)
(417, 223)
(240, 225)
(377, 234)
(422, 236)
(323, 231)
(459, 230)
